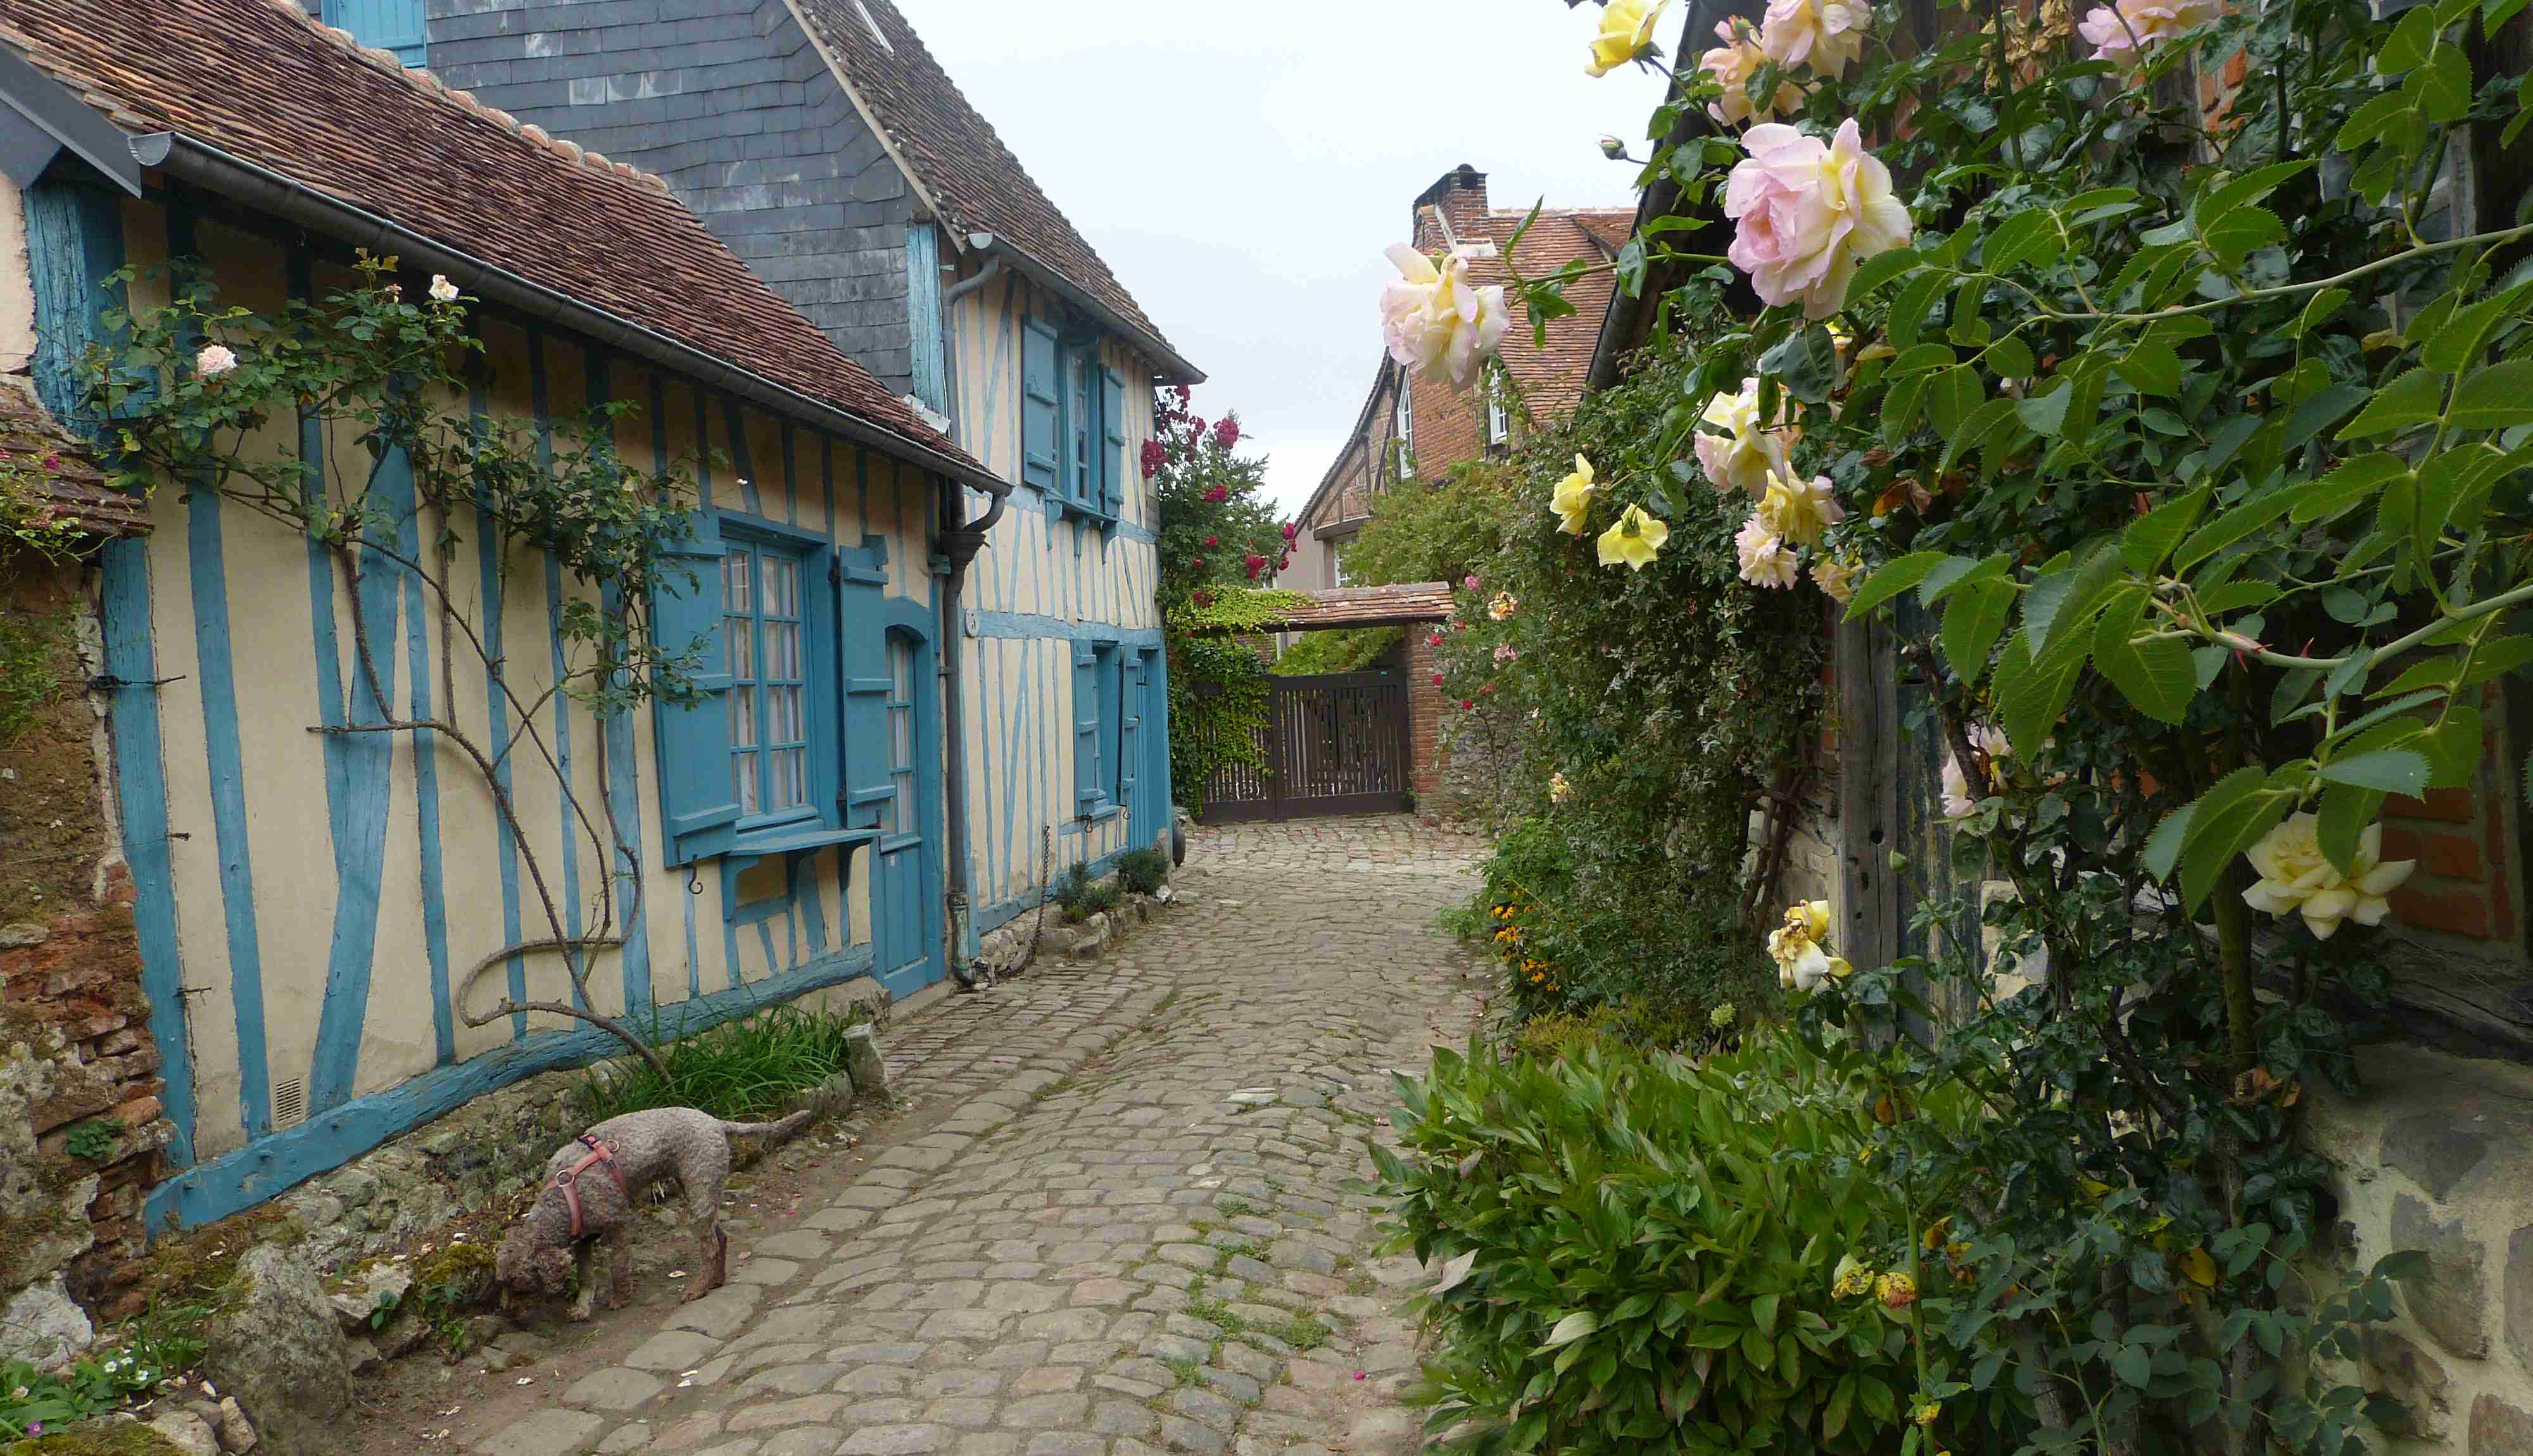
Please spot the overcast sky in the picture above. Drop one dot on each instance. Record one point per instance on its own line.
(1240, 166)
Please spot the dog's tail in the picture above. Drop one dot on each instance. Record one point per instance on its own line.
(782, 1129)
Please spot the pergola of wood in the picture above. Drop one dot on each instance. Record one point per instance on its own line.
(1361, 607)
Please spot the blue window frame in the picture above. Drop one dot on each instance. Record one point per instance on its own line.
(765, 631)
(1073, 424)
(387, 25)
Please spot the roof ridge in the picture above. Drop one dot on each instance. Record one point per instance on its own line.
(424, 79)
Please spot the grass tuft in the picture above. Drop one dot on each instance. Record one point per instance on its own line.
(740, 1071)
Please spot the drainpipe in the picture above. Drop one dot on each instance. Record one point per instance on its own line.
(962, 542)
(992, 269)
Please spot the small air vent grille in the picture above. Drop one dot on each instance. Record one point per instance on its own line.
(289, 1103)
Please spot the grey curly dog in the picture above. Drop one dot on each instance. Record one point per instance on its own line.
(590, 1190)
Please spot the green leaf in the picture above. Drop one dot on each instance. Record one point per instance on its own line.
(2070, 595)
(2415, 398)
(1952, 573)
(2239, 192)
(2442, 86)
(1911, 306)
(2494, 397)
(2241, 233)
(1973, 622)
(2150, 537)
(1895, 577)
(2027, 239)
(2164, 846)
(2411, 42)
(2045, 413)
(2350, 482)
(2032, 695)
(2317, 311)
(2152, 367)
(1763, 1313)
(2386, 770)
(1572, 1327)
(1881, 268)
(2233, 524)
(2345, 812)
(2134, 1365)
(2154, 675)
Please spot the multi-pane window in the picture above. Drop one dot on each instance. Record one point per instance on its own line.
(1498, 417)
(898, 814)
(769, 720)
(1402, 432)
(1081, 421)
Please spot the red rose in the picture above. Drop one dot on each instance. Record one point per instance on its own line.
(1227, 431)
(1291, 528)
(1438, 679)
(1155, 455)
(1180, 390)
(1217, 494)
(1468, 707)
(1198, 562)
(1214, 540)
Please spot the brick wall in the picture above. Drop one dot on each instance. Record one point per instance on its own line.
(2469, 878)
(75, 1043)
(1424, 718)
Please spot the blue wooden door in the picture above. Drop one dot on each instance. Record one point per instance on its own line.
(1146, 781)
(905, 892)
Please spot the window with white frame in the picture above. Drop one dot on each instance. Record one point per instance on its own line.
(769, 719)
(1499, 417)
(1402, 432)
(898, 812)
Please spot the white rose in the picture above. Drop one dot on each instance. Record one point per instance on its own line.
(214, 361)
(2296, 875)
(1435, 323)
(442, 290)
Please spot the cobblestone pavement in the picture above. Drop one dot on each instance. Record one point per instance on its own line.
(1140, 1228)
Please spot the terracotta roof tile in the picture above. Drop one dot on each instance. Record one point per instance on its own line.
(68, 479)
(954, 152)
(1367, 607)
(260, 79)
(1551, 378)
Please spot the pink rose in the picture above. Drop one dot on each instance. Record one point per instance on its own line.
(1227, 431)
(1806, 212)
(1765, 559)
(1733, 65)
(1825, 35)
(2123, 32)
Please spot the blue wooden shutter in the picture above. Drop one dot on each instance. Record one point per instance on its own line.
(386, 25)
(924, 315)
(1112, 451)
(869, 782)
(1130, 724)
(1086, 726)
(1041, 448)
(698, 806)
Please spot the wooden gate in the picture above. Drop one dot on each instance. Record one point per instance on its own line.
(1335, 744)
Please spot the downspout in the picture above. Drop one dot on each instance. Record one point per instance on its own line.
(992, 269)
(962, 542)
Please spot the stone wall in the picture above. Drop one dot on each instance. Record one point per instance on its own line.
(2438, 1155)
(80, 1115)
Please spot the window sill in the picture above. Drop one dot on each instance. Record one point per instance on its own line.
(794, 839)
(1061, 509)
(1102, 812)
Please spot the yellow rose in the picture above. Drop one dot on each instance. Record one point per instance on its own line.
(1636, 540)
(1798, 511)
(1627, 29)
(2295, 875)
(1573, 498)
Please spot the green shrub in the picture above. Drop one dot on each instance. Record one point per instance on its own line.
(1080, 897)
(743, 1069)
(1642, 1023)
(1578, 926)
(1642, 1253)
(1143, 871)
(1353, 650)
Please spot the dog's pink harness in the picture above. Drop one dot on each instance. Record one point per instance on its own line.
(568, 1180)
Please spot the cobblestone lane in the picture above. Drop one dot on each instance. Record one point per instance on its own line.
(1135, 1232)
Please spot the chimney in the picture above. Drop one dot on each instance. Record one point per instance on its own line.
(1460, 200)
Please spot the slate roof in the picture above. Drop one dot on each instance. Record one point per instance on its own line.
(33, 443)
(1551, 378)
(260, 80)
(955, 156)
(1364, 606)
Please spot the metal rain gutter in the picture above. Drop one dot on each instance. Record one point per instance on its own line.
(261, 188)
(1174, 369)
